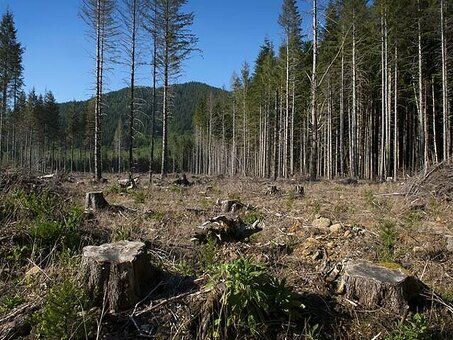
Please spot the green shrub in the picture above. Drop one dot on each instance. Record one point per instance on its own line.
(65, 313)
(414, 329)
(122, 234)
(208, 255)
(387, 236)
(139, 196)
(252, 216)
(9, 302)
(250, 300)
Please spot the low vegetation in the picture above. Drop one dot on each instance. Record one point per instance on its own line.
(273, 285)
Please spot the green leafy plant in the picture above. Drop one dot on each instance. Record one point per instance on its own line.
(252, 216)
(122, 234)
(65, 313)
(139, 196)
(9, 302)
(18, 253)
(416, 328)
(250, 299)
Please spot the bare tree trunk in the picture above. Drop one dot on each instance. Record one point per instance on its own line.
(314, 89)
(445, 99)
(396, 127)
(421, 109)
(341, 147)
(134, 25)
(354, 103)
(433, 95)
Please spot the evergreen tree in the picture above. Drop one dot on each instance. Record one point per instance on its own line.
(10, 68)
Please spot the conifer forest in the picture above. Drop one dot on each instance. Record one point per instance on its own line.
(310, 198)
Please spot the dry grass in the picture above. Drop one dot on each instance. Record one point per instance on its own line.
(167, 215)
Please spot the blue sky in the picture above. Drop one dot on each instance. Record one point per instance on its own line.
(57, 55)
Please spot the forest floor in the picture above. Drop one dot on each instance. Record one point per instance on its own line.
(372, 221)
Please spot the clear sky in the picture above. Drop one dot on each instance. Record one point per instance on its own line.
(57, 55)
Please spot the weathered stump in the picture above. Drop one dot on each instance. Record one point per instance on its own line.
(182, 180)
(374, 285)
(95, 201)
(272, 190)
(299, 191)
(118, 274)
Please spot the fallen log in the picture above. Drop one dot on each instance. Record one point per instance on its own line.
(118, 274)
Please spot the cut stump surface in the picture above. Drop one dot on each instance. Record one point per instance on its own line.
(375, 285)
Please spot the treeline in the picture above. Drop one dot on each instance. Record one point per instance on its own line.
(368, 97)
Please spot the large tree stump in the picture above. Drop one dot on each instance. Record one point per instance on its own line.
(95, 201)
(374, 286)
(118, 274)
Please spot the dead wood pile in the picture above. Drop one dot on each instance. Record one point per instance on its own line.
(437, 182)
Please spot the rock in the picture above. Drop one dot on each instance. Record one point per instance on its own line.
(450, 243)
(374, 285)
(347, 233)
(122, 271)
(321, 223)
(418, 249)
(335, 228)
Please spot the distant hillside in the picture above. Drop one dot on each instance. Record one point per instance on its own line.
(185, 100)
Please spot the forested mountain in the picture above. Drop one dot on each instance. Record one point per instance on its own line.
(185, 98)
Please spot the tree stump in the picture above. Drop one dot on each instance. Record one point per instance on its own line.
(272, 190)
(182, 180)
(299, 191)
(118, 274)
(95, 201)
(374, 285)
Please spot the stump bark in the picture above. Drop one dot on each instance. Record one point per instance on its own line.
(299, 191)
(374, 285)
(95, 201)
(272, 190)
(118, 274)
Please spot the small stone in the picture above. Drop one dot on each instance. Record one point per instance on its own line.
(322, 223)
(335, 228)
(330, 245)
(450, 243)
(418, 249)
(347, 233)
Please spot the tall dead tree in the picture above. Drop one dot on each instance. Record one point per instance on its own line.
(314, 101)
(445, 99)
(99, 16)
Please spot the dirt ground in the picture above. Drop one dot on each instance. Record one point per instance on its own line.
(371, 221)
